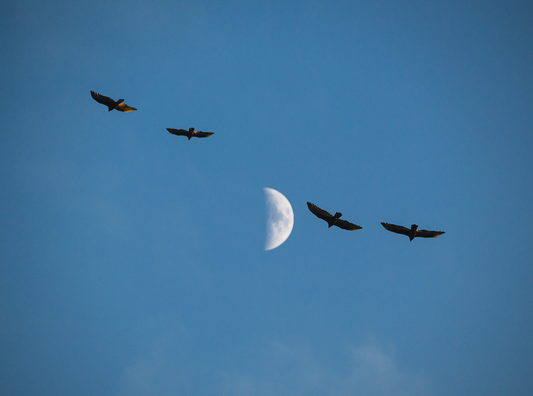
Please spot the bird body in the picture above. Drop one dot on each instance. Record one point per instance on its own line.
(413, 232)
(111, 104)
(190, 133)
(332, 220)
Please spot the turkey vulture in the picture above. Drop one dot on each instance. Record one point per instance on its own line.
(413, 232)
(111, 104)
(332, 220)
(190, 133)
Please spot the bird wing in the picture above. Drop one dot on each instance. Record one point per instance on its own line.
(396, 228)
(103, 99)
(320, 213)
(428, 234)
(346, 225)
(201, 134)
(125, 108)
(179, 132)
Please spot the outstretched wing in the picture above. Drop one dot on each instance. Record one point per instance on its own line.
(396, 228)
(320, 213)
(179, 132)
(346, 225)
(103, 99)
(125, 108)
(201, 134)
(428, 234)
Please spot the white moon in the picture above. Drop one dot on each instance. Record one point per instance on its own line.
(280, 218)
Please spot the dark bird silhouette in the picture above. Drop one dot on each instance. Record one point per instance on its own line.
(190, 133)
(413, 232)
(111, 104)
(332, 220)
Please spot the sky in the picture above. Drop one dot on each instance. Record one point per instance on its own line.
(132, 261)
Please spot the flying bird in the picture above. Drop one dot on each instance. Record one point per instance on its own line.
(332, 220)
(190, 133)
(111, 104)
(413, 232)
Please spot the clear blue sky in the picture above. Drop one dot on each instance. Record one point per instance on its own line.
(132, 261)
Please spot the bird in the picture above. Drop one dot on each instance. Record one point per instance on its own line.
(413, 232)
(111, 104)
(190, 133)
(332, 220)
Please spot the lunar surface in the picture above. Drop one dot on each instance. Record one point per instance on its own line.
(280, 218)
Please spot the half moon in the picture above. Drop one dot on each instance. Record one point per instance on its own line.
(280, 218)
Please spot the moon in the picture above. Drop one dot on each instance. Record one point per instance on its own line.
(280, 218)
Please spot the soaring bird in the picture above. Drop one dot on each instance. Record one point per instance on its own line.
(190, 133)
(111, 104)
(413, 232)
(332, 220)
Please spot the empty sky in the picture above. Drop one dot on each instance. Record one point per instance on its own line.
(132, 262)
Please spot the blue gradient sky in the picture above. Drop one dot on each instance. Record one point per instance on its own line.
(132, 260)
